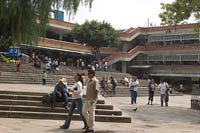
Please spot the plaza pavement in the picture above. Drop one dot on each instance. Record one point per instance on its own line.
(177, 118)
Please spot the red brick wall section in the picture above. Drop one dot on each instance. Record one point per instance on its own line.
(153, 48)
(77, 46)
(125, 55)
(62, 23)
(153, 29)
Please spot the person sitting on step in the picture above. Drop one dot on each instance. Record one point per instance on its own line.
(60, 90)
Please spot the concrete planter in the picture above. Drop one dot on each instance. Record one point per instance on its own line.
(195, 104)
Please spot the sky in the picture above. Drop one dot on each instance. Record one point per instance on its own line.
(121, 14)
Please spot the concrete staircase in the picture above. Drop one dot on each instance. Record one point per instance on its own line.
(34, 78)
(32, 75)
(21, 104)
(123, 91)
(64, 70)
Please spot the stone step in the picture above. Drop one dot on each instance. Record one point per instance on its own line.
(38, 80)
(55, 110)
(60, 116)
(36, 76)
(32, 98)
(35, 93)
(39, 103)
(31, 81)
(109, 94)
(17, 82)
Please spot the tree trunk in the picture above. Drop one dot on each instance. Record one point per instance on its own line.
(97, 53)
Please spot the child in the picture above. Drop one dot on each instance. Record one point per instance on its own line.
(44, 78)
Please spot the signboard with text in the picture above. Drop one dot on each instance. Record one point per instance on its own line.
(13, 51)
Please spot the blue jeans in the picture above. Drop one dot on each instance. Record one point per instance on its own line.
(75, 103)
(133, 96)
(151, 94)
(43, 81)
(55, 95)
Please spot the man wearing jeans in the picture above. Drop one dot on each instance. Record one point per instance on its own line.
(60, 90)
(90, 102)
(133, 89)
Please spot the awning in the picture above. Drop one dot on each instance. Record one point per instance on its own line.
(51, 48)
(175, 75)
(141, 66)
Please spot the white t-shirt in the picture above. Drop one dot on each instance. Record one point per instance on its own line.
(82, 63)
(163, 87)
(134, 83)
(106, 63)
(77, 93)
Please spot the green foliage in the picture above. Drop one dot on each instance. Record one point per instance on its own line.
(96, 35)
(24, 21)
(179, 12)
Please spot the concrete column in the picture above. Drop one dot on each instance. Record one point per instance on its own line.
(124, 65)
(125, 48)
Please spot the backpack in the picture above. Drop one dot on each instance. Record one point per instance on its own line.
(47, 98)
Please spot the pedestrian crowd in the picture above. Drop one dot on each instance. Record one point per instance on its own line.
(94, 65)
(109, 84)
(162, 87)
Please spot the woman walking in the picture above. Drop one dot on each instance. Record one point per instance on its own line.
(76, 101)
(151, 87)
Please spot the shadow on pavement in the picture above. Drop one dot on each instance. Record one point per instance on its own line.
(58, 130)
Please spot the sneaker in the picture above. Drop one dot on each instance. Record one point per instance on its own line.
(85, 127)
(63, 127)
(89, 130)
(67, 107)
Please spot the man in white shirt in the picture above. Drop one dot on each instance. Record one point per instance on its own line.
(133, 89)
(163, 87)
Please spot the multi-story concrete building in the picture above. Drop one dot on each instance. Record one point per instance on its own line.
(169, 52)
(165, 51)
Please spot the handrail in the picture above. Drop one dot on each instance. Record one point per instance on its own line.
(125, 56)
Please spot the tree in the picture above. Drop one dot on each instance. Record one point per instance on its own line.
(96, 35)
(24, 21)
(179, 12)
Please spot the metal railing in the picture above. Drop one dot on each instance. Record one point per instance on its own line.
(174, 37)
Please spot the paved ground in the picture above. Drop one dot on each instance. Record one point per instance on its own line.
(177, 118)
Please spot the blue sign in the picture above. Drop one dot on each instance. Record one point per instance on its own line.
(14, 51)
(59, 15)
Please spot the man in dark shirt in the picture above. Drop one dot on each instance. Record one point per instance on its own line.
(114, 84)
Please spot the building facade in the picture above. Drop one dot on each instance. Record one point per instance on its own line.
(166, 52)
